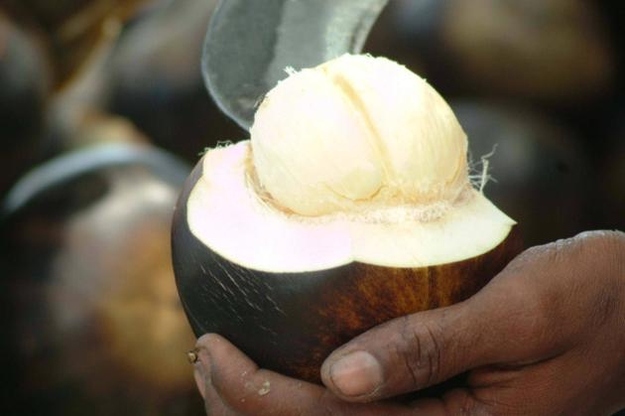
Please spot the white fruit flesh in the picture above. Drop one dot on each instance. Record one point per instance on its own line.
(356, 160)
(357, 129)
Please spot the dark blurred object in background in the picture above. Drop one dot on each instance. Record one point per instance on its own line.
(538, 172)
(610, 190)
(94, 321)
(155, 80)
(137, 63)
(70, 28)
(75, 116)
(24, 92)
(556, 52)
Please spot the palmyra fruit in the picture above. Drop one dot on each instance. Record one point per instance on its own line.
(350, 205)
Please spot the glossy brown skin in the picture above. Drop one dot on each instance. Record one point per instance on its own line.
(544, 337)
(290, 322)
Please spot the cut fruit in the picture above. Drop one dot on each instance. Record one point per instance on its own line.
(226, 214)
(328, 223)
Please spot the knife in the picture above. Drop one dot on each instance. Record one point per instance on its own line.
(249, 45)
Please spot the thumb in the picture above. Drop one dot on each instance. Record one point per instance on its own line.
(503, 323)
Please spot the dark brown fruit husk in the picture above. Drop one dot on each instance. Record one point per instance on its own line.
(290, 322)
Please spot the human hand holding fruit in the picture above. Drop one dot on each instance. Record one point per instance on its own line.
(544, 337)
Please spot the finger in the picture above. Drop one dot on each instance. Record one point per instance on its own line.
(245, 389)
(242, 386)
(506, 322)
(213, 404)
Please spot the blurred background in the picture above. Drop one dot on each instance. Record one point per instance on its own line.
(103, 112)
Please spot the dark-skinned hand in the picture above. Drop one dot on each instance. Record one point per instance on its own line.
(545, 337)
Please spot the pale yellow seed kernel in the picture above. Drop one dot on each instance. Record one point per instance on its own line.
(354, 131)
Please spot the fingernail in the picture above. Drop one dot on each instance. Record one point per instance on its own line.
(201, 370)
(357, 374)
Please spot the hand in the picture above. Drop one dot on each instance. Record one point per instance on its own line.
(545, 337)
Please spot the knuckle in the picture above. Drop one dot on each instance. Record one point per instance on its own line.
(420, 352)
